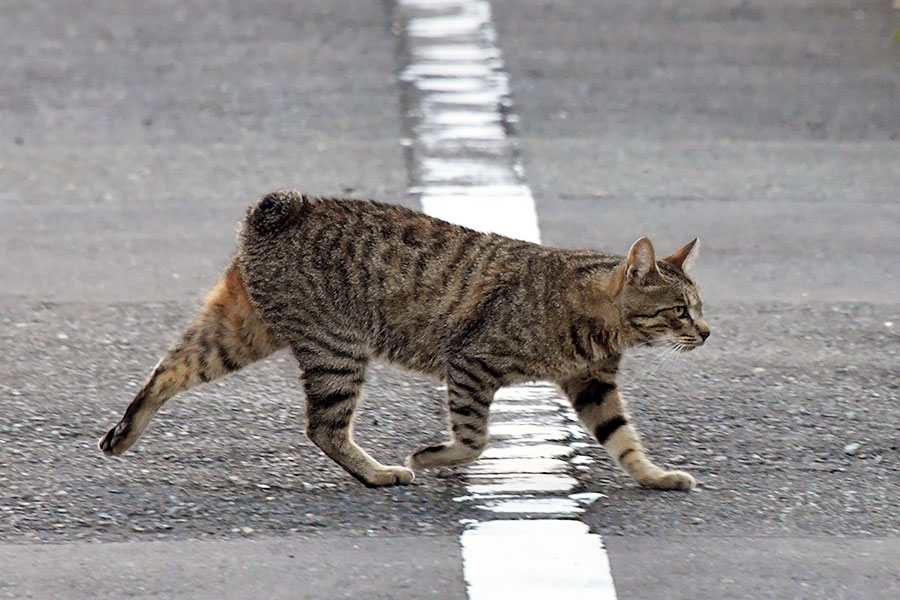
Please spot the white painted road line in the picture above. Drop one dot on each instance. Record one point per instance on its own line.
(465, 170)
(526, 476)
(488, 208)
(534, 559)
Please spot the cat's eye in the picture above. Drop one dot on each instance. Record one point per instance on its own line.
(681, 312)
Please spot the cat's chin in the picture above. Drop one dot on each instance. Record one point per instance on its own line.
(689, 347)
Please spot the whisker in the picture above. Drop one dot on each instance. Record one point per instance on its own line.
(664, 357)
(675, 356)
(670, 357)
(677, 362)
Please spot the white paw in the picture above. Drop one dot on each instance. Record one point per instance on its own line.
(671, 480)
(390, 476)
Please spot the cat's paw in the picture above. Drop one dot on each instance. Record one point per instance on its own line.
(671, 480)
(442, 455)
(115, 441)
(424, 458)
(388, 476)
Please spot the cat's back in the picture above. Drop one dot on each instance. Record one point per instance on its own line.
(287, 226)
(284, 215)
(386, 249)
(290, 227)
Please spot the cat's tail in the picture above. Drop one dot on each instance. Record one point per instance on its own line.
(228, 335)
(274, 213)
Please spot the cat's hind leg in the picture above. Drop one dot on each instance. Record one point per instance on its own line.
(228, 335)
(470, 389)
(333, 375)
(600, 408)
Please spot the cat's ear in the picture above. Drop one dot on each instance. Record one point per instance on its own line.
(641, 260)
(684, 257)
(640, 263)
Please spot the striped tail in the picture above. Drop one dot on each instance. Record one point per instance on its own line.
(228, 335)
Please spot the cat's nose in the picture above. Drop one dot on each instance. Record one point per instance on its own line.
(704, 333)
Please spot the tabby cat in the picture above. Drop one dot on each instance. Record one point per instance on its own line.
(341, 282)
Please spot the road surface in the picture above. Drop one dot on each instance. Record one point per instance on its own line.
(133, 138)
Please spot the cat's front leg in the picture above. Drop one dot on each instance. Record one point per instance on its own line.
(601, 409)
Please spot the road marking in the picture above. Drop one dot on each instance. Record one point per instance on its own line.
(465, 170)
(539, 559)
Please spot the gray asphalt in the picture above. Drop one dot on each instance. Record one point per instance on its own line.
(132, 140)
(770, 131)
(382, 568)
(771, 568)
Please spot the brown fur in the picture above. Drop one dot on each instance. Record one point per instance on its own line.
(342, 282)
(228, 335)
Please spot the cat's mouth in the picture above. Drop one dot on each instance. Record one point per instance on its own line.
(680, 344)
(687, 344)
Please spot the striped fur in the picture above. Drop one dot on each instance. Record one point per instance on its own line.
(227, 336)
(342, 282)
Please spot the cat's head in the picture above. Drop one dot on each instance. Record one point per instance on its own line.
(658, 302)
